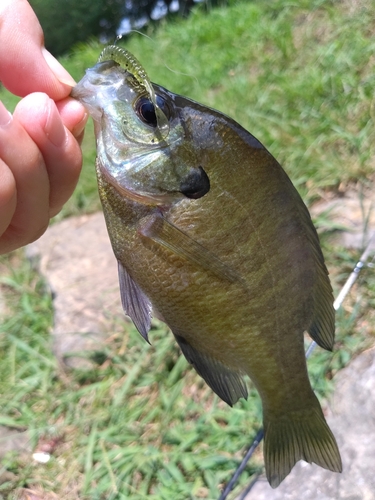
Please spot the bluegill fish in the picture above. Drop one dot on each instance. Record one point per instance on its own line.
(212, 238)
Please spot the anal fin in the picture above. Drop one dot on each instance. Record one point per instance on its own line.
(134, 302)
(227, 384)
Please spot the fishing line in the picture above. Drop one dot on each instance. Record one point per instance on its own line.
(181, 73)
(336, 305)
(119, 37)
(174, 71)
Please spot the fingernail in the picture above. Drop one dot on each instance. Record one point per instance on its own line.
(78, 129)
(5, 116)
(59, 71)
(54, 128)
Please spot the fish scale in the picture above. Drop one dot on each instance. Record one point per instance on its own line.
(212, 238)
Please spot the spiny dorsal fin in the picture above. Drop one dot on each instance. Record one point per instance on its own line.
(134, 302)
(228, 385)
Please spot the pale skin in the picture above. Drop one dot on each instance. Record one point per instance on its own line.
(40, 156)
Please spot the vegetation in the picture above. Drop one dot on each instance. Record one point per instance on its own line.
(141, 424)
(67, 22)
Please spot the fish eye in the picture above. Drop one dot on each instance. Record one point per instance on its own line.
(146, 110)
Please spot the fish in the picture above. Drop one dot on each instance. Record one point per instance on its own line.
(212, 238)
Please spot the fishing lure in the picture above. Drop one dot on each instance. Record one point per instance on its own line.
(131, 64)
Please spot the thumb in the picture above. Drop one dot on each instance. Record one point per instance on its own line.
(25, 65)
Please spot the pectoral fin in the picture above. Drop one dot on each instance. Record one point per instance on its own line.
(163, 232)
(134, 302)
(227, 384)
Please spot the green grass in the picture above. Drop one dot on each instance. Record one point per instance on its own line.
(141, 424)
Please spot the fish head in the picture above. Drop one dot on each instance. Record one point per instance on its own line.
(148, 160)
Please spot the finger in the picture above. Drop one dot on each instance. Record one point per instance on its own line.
(31, 215)
(25, 65)
(74, 116)
(8, 196)
(62, 156)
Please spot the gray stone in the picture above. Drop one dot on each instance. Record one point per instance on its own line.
(352, 420)
(13, 440)
(76, 258)
(353, 214)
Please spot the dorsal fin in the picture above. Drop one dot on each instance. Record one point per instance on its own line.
(322, 328)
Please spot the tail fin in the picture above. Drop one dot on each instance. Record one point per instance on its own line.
(299, 435)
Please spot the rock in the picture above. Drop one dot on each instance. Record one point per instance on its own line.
(353, 213)
(13, 440)
(351, 418)
(76, 259)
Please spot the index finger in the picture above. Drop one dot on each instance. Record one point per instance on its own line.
(25, 65)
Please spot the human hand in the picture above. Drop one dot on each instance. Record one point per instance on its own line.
(40, 157)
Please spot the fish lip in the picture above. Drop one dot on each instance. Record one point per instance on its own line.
(81, 94)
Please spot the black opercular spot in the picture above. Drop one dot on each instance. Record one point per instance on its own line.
(196, 184)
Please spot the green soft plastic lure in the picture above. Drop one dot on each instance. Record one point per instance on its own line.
(131, 64)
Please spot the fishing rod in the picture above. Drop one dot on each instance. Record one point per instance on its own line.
(336, 305)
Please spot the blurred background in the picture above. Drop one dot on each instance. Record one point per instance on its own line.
(66, 23)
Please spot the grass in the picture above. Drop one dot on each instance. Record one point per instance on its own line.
(127, 430)
(141, 424)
